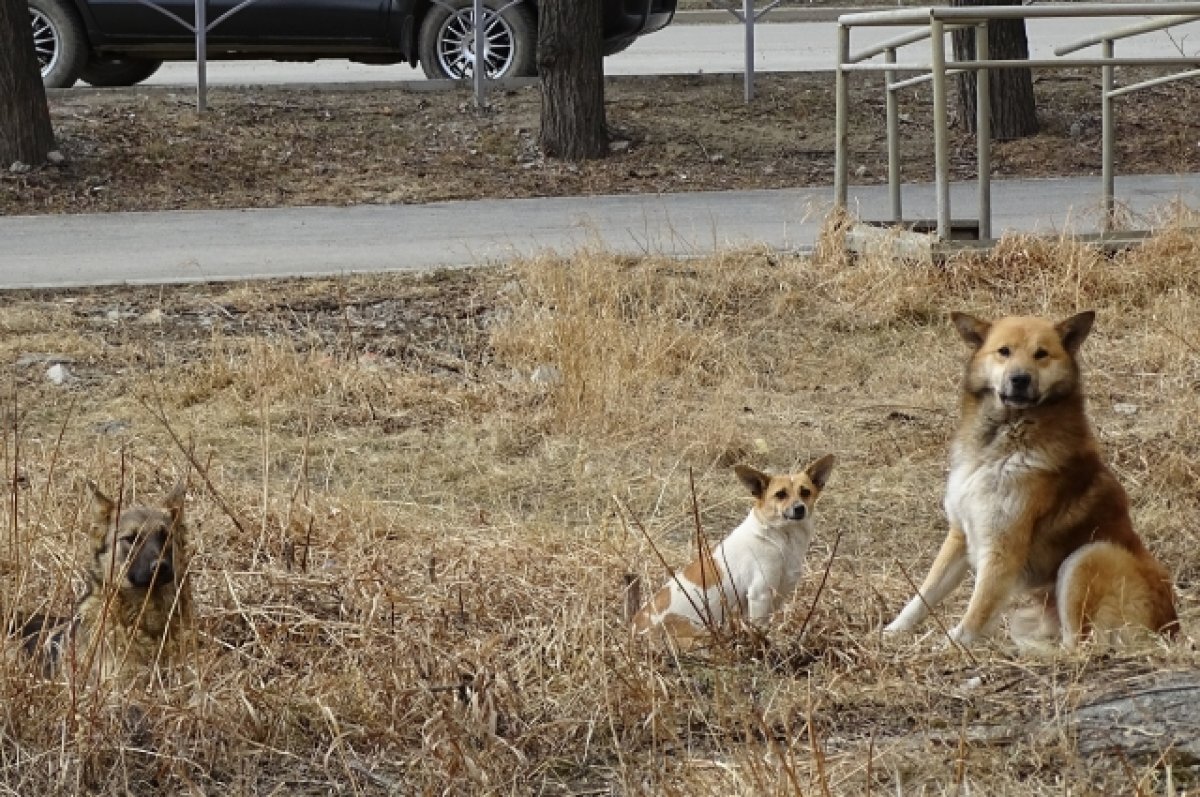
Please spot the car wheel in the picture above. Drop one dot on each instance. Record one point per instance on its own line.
(618, 46)
(59, 40)
(447, 39)
(121, 71)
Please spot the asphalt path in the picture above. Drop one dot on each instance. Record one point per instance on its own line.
(195, 246)
(186, 246)
(709, 48)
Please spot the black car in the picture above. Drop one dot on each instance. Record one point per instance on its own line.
(122, 42)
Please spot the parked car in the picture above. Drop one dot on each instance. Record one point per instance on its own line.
(123, 42)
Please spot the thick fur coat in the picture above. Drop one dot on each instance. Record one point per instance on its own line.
(135, 614)
(1032, 507)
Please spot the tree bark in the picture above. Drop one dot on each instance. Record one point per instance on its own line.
(25, 132)
(570, 63)
(1014, 111)
(1155, 718)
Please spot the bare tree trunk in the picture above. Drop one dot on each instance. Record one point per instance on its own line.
(1153, 718)
(1014, 111)
(25, 132)
(570, 62)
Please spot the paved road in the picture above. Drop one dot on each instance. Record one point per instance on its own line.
(693, 48)
(188, 246)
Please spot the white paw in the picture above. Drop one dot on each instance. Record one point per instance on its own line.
(962, 636)
(897, 626)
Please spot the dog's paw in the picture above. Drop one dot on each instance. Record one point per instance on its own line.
(896, 627)
(962, 636)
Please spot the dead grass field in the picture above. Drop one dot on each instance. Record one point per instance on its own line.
(417, 499)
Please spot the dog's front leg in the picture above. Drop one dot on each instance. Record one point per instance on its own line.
(999, 572)
(945, 574)
(760, 605)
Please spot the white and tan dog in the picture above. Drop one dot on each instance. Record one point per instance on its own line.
(753, 570)
(1032, 507)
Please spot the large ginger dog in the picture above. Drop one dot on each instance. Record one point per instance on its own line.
(1032, 507)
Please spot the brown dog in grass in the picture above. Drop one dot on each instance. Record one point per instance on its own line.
(754, 569)
(1032, 507)
(136, 609)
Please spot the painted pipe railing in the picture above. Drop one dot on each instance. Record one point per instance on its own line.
(937, 22)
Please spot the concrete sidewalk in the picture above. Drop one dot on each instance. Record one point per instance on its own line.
(191, 246)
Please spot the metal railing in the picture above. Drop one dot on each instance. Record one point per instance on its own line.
(941, 20)
(749, 17)
(481, 17)
(200, 30)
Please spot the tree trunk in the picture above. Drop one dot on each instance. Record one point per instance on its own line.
(1155, 718)
(1014, 111)
(25, 132)
(570, 62)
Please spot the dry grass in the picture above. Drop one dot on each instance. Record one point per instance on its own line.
(416, 500)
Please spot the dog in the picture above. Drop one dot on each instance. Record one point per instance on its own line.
(753, 570)
(135, 613)
(1032, 508)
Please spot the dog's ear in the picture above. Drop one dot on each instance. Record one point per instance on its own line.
(173, 502)
(973, 330)
(1074, 330)
(818, 472)
(103, 509)
(756, 481)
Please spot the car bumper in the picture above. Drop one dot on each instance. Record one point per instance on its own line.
(639, 17)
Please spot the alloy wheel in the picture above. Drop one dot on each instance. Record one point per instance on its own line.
(45, 41)
(456, 44)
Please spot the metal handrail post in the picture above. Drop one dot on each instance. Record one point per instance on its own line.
(983, 132)
(201, 56)
(841, 119)
(1107, 134)
(479, 71)
(893, 140)
(748, 21)
(941, 136)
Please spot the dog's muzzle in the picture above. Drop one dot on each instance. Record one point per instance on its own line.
(796, 511)
(152, 574)
(1018, 390)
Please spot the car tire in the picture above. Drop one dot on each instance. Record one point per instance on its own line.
(446, 40)
(60, 42)
(618, 46)
(119, 71)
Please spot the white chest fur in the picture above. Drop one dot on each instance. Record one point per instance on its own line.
(772, 557)
(760, 567)
(985, 493)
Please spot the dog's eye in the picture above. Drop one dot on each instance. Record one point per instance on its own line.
(1003, 351)
(1040, 354)
(780, 495)
(805, 492)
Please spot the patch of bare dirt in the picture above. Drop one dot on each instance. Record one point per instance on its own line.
(148, 150)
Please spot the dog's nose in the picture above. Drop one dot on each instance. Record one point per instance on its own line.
(165, 573)
(1020, 381)
(796, 511)
(146, 575)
